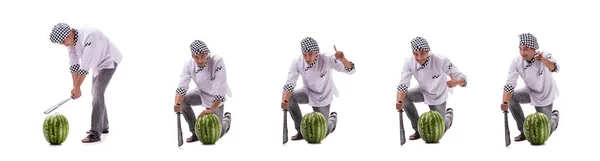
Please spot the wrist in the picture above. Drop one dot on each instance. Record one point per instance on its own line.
(345, 61)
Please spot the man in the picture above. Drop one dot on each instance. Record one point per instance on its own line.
(315, 68)
(536, 68)
(89, 49)
(430, 70)
(209, 73)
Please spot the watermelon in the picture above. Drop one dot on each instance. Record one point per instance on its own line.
(56, 128)
(314, 127)
(431, 126)
(537, 128)
(208, 129)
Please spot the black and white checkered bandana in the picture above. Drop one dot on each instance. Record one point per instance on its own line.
(527, 39)
(199, 47)
(419, 43)
(60, 32)
(309, 44)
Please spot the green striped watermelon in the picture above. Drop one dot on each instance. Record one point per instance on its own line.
(314, 127)
(537, 128)
(208, 129)
(431, 126)
(56, 128)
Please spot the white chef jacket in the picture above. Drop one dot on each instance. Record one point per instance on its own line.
(92, 51)
(211, 80)
(431, 77)
(538, 79)
(317, 79)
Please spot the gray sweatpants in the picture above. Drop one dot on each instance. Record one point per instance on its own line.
(99, 115)
(414, 95)
(300, 97)
(192, 98)
(514, 105)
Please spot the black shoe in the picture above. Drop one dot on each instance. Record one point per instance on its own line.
(414, 136)
(103, 132)
(521, 137)
(298, 136)
(192, 138)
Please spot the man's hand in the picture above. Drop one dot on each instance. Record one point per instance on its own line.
(284, 100)
(504, 106)
(339, 54)
(399, 106)
(538, 56)
(76, 93)
(452, 82)
(177, 107)
(284, 105)
(209, 111)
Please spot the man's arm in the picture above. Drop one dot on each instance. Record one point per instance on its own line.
(290, 83)
(184, 82)
(73, 64)
(453, 71)
(343, 65)
(79, 80)
(220, 81)
(511, 81)
(92, 47)
(550, 62)
(404, 83)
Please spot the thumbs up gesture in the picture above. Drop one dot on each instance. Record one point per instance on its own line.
(452, 82)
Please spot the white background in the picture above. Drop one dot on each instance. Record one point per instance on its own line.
(258, 40)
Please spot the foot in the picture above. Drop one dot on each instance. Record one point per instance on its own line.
(103, 132)
(334, 115)
(555, 114)
(297, 137)
(414, 136)
(228, 115)
(90, 138)
(521, 137)
(192, 138)
(451, 112)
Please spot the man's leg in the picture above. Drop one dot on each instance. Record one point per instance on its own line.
(225, 119)
(98, 106)
(298, 97)
(105, 128)
(413, 95)
(447, 114)
(552, 115)
(331, 119)
(191, 98)
(514, 105)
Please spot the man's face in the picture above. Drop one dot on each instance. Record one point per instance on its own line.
(526, 52)
(309, 57)
(70, 40)
(200, 59)
(421, 56)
